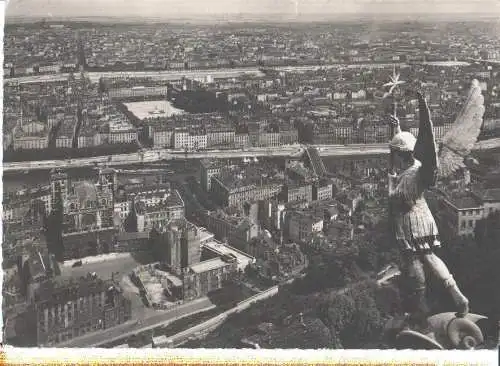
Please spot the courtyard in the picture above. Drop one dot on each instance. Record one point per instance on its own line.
(117, 266)
(153, 109)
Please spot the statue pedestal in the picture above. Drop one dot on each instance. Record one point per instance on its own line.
(446, 332)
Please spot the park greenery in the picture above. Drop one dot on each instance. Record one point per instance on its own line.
(341, 306)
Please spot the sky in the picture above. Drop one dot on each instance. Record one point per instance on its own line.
(177, 8)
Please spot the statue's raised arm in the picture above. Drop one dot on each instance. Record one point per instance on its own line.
(425, 147)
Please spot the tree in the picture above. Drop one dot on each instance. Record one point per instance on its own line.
(337, 311)
(368, 257)
(367, 320)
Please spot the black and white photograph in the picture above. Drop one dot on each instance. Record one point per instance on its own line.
(263, 175)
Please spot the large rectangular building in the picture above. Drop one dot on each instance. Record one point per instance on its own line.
(234, 190)
(297, 192)
(461, 212)
(207, 276)
(302, 225)
(180, 245)
(209, 169)
(152, 214)
(62, 311)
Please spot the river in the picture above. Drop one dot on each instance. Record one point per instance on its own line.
(14, 181)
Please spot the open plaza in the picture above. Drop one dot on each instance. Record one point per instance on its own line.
(153, 109)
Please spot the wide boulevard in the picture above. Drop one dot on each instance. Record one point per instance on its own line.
(154, 155)
(172, 75)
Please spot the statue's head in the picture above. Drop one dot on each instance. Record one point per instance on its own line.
(402, 146)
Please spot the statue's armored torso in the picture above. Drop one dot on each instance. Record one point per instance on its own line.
(415, 227)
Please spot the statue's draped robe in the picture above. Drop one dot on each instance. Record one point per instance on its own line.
(414, 226)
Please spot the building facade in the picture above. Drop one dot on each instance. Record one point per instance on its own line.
(182, 245)
(207, 276)
(237, 195)
(87, 210)
(190, 140)
(462, 212)
(296, 192)
(220, 136)
(208, 169)
(162, 137)
(303, 225)
(322, 190)
(60, 312)
(157, 214)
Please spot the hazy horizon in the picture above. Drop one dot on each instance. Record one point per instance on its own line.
(174, 9)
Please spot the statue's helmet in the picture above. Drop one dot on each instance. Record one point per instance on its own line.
(403, 141)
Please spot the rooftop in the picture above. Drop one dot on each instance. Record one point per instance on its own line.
(211, 164)
(172, 200)
(313, 215)
(252, 175)
(176, 281)
(491, 194)
(124, 236)
(223, 249)
(465, 201)
(61, 291)
(208, 265)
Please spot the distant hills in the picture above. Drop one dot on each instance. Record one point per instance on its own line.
(256, 18)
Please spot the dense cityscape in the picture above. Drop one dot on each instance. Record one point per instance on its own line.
(282, 244)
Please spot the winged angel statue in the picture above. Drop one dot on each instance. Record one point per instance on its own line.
(417, 165)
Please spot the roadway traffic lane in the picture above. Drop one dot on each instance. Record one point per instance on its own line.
(201, 73)
(157, 155)
(159, 75)
(132, 327)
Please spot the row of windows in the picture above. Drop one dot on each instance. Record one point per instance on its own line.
(471, 223)
(467, 223)
(471, 212)
(69, 334)
(89, 204)
(478, 212)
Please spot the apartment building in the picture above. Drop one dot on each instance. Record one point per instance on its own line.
(62, 311)
(461, 212)
(302, 225)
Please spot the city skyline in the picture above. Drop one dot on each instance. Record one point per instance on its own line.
(170, 9)
(224, 180)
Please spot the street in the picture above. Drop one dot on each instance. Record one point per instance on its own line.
(158, 155)
(178, 74)
(155, 155)
(132, 327)
(159, 75)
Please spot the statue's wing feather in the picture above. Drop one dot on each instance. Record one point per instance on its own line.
(425, 148)
(460, 139)
(450, 162)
